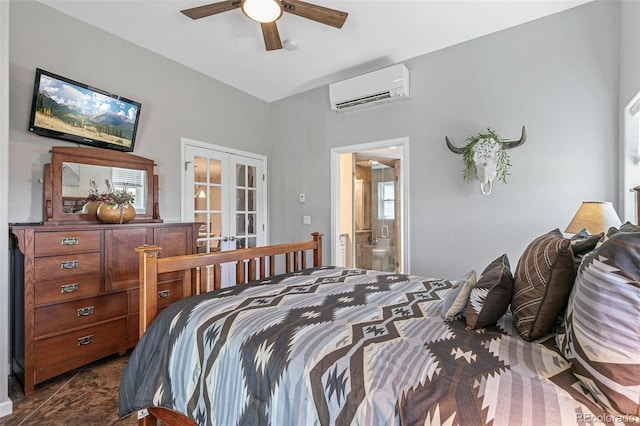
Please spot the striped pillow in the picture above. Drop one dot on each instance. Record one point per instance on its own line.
(543, 280)
(603, 324)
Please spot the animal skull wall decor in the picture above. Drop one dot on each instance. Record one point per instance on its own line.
(485, 157)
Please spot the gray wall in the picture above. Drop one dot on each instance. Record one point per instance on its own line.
(558, 76)
(176, 102)
(629, 51)
(629, 88)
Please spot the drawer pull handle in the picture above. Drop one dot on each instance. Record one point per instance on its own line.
(69, 264)
(163, 294)
(70, 288)
(70, 241)
(85, 340)
(83, 312)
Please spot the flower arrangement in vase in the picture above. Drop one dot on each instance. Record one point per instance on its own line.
(116, 206)
(93, 199)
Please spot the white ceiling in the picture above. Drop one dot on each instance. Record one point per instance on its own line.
(377, 33)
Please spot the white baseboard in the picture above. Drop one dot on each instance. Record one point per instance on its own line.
(6, 408)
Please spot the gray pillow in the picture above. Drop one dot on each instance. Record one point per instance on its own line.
(455, 300)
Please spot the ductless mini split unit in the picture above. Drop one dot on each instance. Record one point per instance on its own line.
(385, 85)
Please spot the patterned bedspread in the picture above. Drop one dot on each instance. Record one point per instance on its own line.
(333, 346)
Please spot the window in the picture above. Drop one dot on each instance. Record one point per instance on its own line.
(386, 200)
(133, 182)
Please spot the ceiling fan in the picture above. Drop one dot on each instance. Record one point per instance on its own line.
(267, 12)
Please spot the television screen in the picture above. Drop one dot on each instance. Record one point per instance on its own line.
(75, 112)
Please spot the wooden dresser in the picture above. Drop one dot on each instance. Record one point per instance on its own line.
(75, 291)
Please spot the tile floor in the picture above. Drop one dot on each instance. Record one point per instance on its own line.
(85, 396)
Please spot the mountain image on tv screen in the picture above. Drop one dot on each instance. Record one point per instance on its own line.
(71, 109)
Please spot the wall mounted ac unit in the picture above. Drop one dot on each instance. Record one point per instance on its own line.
(385, 85)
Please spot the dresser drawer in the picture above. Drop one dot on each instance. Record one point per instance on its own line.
(67, 242)
(105, 339)
(63, 290)
(79, 313)
(48, 268)
(168, 292)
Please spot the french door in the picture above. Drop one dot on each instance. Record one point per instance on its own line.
(226, 193)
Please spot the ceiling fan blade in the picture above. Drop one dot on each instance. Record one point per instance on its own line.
(271, 36)
(324, 15)
(211, 9)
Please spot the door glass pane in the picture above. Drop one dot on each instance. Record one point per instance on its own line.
(241, 243)
(240, 224)
(240, 171)
(251, 223)
(200, 198)
(251, 172)
(199, 169)
(201, 217)
(215, 171)
(240, 200)
(202, 230)
(215, 224)
(251, 200)
(215, 198)
(214, 245)
(252, 241)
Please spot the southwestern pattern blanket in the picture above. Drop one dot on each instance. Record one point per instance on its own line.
(334, 346)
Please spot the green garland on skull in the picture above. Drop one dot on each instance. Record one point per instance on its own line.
(489, 138)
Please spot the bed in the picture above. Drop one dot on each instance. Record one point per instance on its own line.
(322, 345)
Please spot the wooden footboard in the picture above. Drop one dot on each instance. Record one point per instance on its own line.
(205, 268)
(202, 272)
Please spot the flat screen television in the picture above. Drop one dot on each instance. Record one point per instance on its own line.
(65, 109)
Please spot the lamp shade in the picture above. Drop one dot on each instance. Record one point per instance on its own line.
(595, 216)
(262, 10)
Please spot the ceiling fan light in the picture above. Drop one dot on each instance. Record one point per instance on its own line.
(262, 10)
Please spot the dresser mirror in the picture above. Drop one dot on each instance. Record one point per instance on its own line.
(71, 170)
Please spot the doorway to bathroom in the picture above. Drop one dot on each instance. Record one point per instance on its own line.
(370, 205)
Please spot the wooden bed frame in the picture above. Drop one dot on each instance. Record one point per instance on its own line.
(250, 264)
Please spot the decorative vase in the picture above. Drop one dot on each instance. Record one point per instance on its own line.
(91, 207)
(115, 214)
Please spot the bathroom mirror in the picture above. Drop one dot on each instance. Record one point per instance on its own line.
(67, 182)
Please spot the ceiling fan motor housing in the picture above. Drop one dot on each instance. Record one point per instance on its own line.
(321, 14)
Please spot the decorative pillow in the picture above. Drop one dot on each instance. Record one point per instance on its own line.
(582, 243)
(625, 227)
(542, 282)
(602, 324)
(491, 296)
(456, 299)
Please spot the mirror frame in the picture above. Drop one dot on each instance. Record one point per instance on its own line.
(100, 157)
